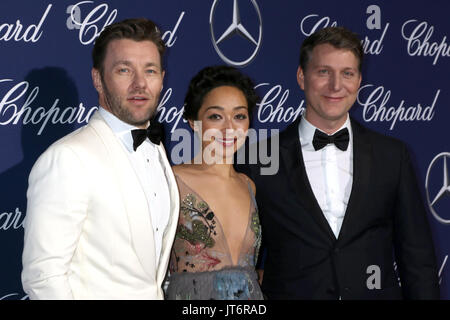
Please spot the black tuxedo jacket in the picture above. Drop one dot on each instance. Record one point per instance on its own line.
(385, 222)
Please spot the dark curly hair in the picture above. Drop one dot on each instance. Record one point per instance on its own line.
(212, 77)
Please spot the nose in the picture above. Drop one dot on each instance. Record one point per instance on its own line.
(139, 80)
(229, 123)
(228, 127)
(335, 82)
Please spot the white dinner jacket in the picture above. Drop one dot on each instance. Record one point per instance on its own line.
(88, 232)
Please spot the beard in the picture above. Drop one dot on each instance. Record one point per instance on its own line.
(126, 115)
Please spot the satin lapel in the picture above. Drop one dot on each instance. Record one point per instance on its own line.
(362, 162)
(291, 154)
(132, 194)
(171, 228)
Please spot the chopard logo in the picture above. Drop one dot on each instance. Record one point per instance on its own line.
(89, 27)
(236, 27)
(444, 190)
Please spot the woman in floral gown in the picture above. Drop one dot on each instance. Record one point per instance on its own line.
(218, 236)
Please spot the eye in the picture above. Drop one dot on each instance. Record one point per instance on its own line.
(241, 116)
(123, 70)
(322, 71)
(151, 71)
(349, 74)
(214, 116)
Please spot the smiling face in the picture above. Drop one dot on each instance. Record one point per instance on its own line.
(330, 82)
(131, 82)
(225, 120)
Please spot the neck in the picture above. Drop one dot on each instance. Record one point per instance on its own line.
(137, 125)
(329, 126)
(223, 170)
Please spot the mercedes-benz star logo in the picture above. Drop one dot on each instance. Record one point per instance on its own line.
(444, 191)
(238, 28)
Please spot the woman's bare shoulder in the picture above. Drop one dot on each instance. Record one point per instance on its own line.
(185, 172)
(181, 169)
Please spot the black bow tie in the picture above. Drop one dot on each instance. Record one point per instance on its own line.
(340, 139)
(154, 132)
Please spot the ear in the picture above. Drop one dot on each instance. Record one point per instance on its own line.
(301, 78)
(96, 80)
(191, 124)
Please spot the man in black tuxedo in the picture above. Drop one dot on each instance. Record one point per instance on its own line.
(344, 206)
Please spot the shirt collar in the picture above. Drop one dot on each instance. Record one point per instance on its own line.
(306, 130)
(120, 128)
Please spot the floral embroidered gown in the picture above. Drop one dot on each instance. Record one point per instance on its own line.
(201, 266)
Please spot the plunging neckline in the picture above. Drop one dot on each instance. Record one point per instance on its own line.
(220, 224)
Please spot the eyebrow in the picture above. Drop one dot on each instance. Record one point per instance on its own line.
(330, 67)
(222, 108)
(129, 63)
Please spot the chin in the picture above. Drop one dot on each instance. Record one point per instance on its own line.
(334, 116)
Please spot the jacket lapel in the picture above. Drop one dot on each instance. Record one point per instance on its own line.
(132, 194)
(170, 230)
(291, 154)
(362, 163)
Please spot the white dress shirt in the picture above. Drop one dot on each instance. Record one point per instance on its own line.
(330, 173)
(147, 164)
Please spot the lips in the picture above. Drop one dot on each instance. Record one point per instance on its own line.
(138, 99)
(334, 99)
(226, 142)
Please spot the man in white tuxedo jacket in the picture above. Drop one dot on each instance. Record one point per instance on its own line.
(103, 203)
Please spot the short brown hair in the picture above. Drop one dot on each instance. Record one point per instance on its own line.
(338, 37)
(139, 29)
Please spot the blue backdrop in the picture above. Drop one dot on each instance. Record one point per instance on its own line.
(46, 90)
